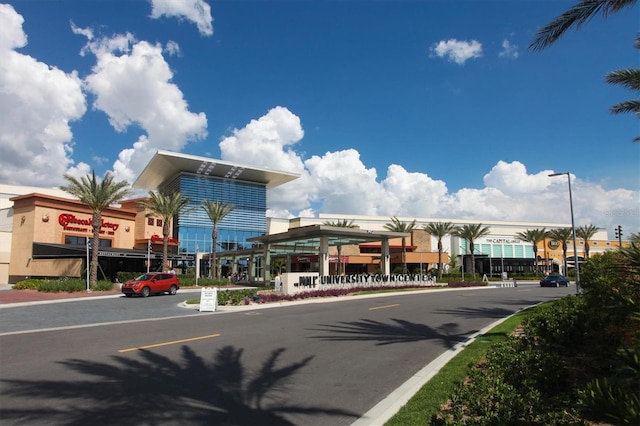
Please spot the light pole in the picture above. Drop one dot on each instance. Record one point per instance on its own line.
(461, 254)
(573, 228)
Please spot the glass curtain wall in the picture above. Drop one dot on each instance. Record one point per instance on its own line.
(193, 228)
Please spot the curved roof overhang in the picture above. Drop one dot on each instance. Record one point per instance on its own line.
(165, 165)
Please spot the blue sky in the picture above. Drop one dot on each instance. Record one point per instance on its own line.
(431, 109)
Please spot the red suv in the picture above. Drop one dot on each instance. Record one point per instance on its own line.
(153, 282)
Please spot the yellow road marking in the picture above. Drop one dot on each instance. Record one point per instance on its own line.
(168, 343)
(384, 307)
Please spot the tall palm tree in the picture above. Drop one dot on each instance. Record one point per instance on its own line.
(344, 223)
(217, 211)
(168, 207)
(562, 235)
(397, 225)
(471, 232)
(97, 195)
(439, 230)
(629, 78)
(585, 233)
(533, 236)
(578, 15)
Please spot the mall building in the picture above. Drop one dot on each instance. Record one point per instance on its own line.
(44, 232)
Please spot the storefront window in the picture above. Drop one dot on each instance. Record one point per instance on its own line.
(80, 241)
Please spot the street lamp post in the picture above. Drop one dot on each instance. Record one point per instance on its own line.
(573, 228)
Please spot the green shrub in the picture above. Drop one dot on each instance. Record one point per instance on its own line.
(70, 285)
(124, 276)
(103, 286)
(62, 286)
(235, 297)
(28, 284)
(190, 281)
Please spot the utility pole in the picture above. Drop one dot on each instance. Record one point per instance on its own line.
(618, 232)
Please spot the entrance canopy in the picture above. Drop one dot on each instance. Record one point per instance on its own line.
(318, 238)
(308, 239)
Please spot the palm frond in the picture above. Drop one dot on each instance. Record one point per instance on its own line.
(626, 106)
(628, 77)
(575, 17)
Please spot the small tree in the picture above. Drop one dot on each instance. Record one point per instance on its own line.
(439, 230)
(98, 196)
(168, 207)
(397, 225)
(470, 233)
(562, 235)
(585, 233)
(217, 211)
(533, 236)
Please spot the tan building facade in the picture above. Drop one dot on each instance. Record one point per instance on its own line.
(50, 234)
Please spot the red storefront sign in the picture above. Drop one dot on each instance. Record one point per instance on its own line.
(70, 222)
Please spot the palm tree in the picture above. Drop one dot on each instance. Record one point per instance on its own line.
(397, 225)
(471, 232)
(167, 206)
(533, 236)
(344, 223)
(217, 211)
(97, 195)
(585, 233)
(578, 15)
(562, 235)
(439, 230)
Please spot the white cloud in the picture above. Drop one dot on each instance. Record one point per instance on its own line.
(457, 51)
(172, 48)
(501, 177)
(196, 11)
(266, 142)
(132, 84)
(37, 103)
(87, 32)
(338, 182)
(509, 50)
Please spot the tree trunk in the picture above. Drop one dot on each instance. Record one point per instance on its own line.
(165, 246)
(214, 242)
(95, 245)
(404, 255)
(473, 260)
(440, 258)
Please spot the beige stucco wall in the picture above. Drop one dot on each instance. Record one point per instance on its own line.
(43, 219)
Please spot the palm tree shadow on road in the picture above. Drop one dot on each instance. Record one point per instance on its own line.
(401, 331)
(153, 389)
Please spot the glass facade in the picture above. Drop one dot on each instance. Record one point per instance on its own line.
(193, 228)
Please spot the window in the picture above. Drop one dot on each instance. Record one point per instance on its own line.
(150, 221)
(158, 222)
(80, 241)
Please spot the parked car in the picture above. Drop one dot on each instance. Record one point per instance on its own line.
(152, 283)
(554, 280)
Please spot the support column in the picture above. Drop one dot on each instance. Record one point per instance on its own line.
(385, 267)
(323, 257)
(266, 270)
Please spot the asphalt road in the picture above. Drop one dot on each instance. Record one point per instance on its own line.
(119, 361)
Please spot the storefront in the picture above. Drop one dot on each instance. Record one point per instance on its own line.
(51, 237)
